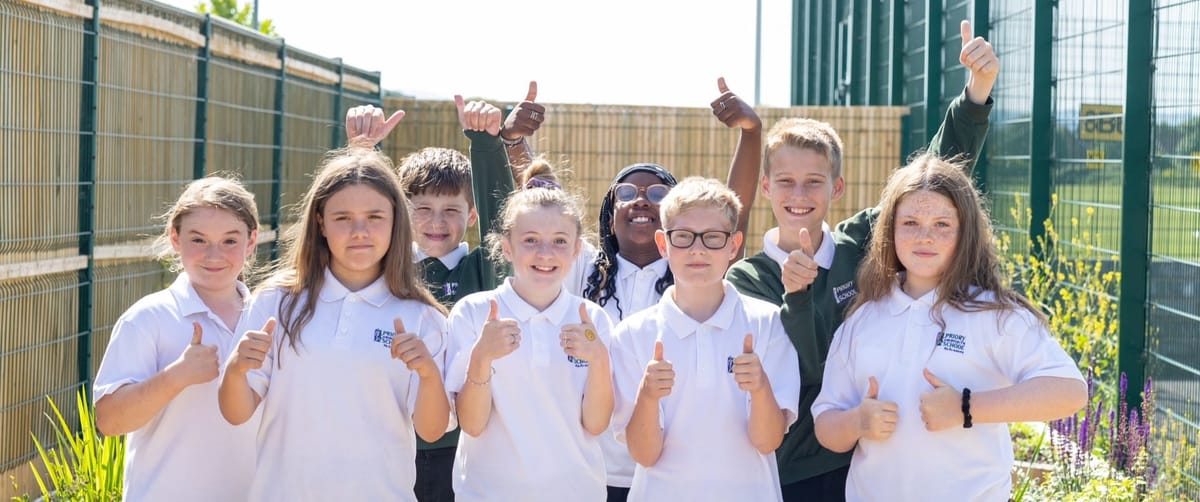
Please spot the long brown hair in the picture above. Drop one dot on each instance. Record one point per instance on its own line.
(301, 272)
(973, 269)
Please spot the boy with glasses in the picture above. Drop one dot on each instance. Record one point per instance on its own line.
(706, 379)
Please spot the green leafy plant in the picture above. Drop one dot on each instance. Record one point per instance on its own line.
(239, 13)
(85, 466)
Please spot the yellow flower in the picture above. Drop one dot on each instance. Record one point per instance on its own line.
(1091, 211)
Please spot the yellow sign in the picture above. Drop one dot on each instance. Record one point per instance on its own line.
(1095, 154)
(1101, 122)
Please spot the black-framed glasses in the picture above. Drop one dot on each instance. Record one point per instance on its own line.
(626, 192)
(712, 239)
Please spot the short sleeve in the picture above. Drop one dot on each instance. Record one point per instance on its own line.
(131, 356)
(838, 390)
(263, 307)
(628, 367)
(781, 365)
(1025, 350)
(462, 330)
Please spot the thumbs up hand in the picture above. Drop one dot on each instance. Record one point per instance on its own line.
(252, 349)
(941, 408)
(800, 269)
(478, 115)
(659, 377)
(409, 347)
(365, 125)
(580, 340)
(877, 419)
(499, 338)
(198, 363)
(732, 111)
(748, 370)
(979, 57)
(526, 117)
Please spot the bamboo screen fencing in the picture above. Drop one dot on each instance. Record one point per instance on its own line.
(105, 114)
(593, 142)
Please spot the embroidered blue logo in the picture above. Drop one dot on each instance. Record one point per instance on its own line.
(952, 342)
(729, 365)
(844, 293)
(384, 336)
(579, 363)
(449, 288)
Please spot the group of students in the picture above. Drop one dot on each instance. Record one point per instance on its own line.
(657, 365)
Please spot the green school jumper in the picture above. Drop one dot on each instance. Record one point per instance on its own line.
(811, 317)
(491, 181)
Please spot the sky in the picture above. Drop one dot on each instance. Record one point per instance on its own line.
(641, 52)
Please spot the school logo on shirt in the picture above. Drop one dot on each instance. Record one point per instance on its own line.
(384, 336)
(952, 342)
(729, 365)
(579, 363)
(449, 288)
(844, 293)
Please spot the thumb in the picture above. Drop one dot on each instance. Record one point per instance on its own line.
(531, 94)
(965, 30)
(933, 379)
(806, 244)
(748, 344)
(460, 104)
(721, 85)
(873, 388)
(398, 325)
(583, 315)
(494, 313)
(658, 351)
(393, 120)
(197, 333)
(269, 327)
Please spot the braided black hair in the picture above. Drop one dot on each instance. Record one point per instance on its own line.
(600, 288)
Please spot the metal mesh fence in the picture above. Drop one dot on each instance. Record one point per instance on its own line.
(176, 96)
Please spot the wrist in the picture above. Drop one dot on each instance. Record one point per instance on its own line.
(518, 141)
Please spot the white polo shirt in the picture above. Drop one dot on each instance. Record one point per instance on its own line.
(635, 290)
(188, 451)
(534, 447)
(576, 279)
(337, 415)
(707, 454)
(823, 255)
(894, 340)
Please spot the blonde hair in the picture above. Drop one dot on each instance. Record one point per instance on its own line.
(694, 192)
(529, 199)
(302, 268)
(806, 134)
(213, 192)
(975, 266)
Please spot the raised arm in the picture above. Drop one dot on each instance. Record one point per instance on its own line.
(965, 126)
(366, 127)
(521, 123)
(747, 157)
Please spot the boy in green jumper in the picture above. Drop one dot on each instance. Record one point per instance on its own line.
(447, 194)
(810, 270)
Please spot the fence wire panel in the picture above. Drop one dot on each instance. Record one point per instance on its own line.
(1174, 317)
(36, 359)
(241, 116)
(954, 74)
(146, 109)
(879, 68)
(1008, 139)
(914, 75)
(1089, 55)
(39, 123)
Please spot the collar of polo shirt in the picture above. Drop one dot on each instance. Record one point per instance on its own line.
(823, 255)
(683, 326)
(522, 311)
(189, 301)
(333, 291)
(626, 268)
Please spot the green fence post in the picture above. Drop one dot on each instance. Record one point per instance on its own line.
(874, 79)
(200, 154)
(1135, 197)
(828, 52)
(1041, 122)
(983, 28)
(87, 193)
(860, 52)
(799, 53)
(338, 117)
(814, 53)
(897, 74)
(277, 158)
(933, 67)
